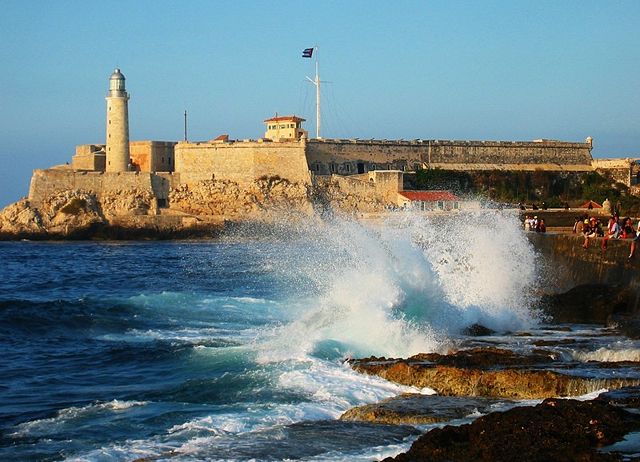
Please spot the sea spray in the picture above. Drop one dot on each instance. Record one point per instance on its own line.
(403, 286)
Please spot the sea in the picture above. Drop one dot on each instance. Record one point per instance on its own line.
(234, 348)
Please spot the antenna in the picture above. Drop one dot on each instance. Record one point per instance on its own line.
(185, 125)
(316, 82)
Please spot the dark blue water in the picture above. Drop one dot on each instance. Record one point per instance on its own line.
(112, 351)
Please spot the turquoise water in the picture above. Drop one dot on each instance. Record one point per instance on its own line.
(234, 349)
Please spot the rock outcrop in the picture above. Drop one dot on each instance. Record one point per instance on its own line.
(330, 197)
(231, 200)
(589, 303)
(417, 409)
(129, 202)
(555, 430)
(64, 214)
(19, 218)
(488, 372)
(77, 214)
(195, 211)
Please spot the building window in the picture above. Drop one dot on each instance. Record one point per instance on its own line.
(441, 205)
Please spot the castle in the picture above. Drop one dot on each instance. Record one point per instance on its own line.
(288, 153)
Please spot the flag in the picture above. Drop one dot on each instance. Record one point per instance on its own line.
(307, 52)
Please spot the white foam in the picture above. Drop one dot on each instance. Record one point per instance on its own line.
(605, 354)
(340, 388)
(50, 426)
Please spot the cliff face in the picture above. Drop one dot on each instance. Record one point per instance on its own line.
(231, 200)
(61, 214)
(80, 212)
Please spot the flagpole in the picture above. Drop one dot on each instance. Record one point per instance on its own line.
(307, 53)
(317, 97)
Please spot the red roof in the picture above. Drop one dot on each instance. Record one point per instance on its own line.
(288, 118)
(594, 205)
(430, 196)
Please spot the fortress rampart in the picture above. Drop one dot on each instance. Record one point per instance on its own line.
(623, 170)
(241, 161)
(359, 156)
(47, 183)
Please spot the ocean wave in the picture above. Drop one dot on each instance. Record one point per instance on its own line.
(68, 416)
(400, 288)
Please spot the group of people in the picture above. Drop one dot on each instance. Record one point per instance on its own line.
(532, 223)
(616, 228)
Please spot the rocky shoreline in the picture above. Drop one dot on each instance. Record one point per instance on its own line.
(488, 391)
(479, 380)
(554, 430)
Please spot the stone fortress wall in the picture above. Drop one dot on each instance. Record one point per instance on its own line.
(241, 161)
(47, 183)
(625, 170)
(346, 157)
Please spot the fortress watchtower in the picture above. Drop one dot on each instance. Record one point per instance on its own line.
(285, 128)
(117, 151)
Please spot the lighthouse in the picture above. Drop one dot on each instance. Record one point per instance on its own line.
(117, 125)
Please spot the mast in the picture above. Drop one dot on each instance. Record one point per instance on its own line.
(317, 98)
(316, 82)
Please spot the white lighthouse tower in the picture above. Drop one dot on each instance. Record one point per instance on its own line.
(117, 125)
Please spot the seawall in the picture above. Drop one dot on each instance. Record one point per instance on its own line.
(588, 285)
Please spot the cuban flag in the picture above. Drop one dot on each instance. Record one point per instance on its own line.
(307, 52)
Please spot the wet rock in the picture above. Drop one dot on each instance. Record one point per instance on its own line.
(557, 342)
(628, 325)
(628, 397)
(478, 330)
(417, 409)
(485, 357)
(489, 372)
(589, 303)
(555, 430)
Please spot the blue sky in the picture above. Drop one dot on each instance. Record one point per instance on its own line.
(508, 70)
